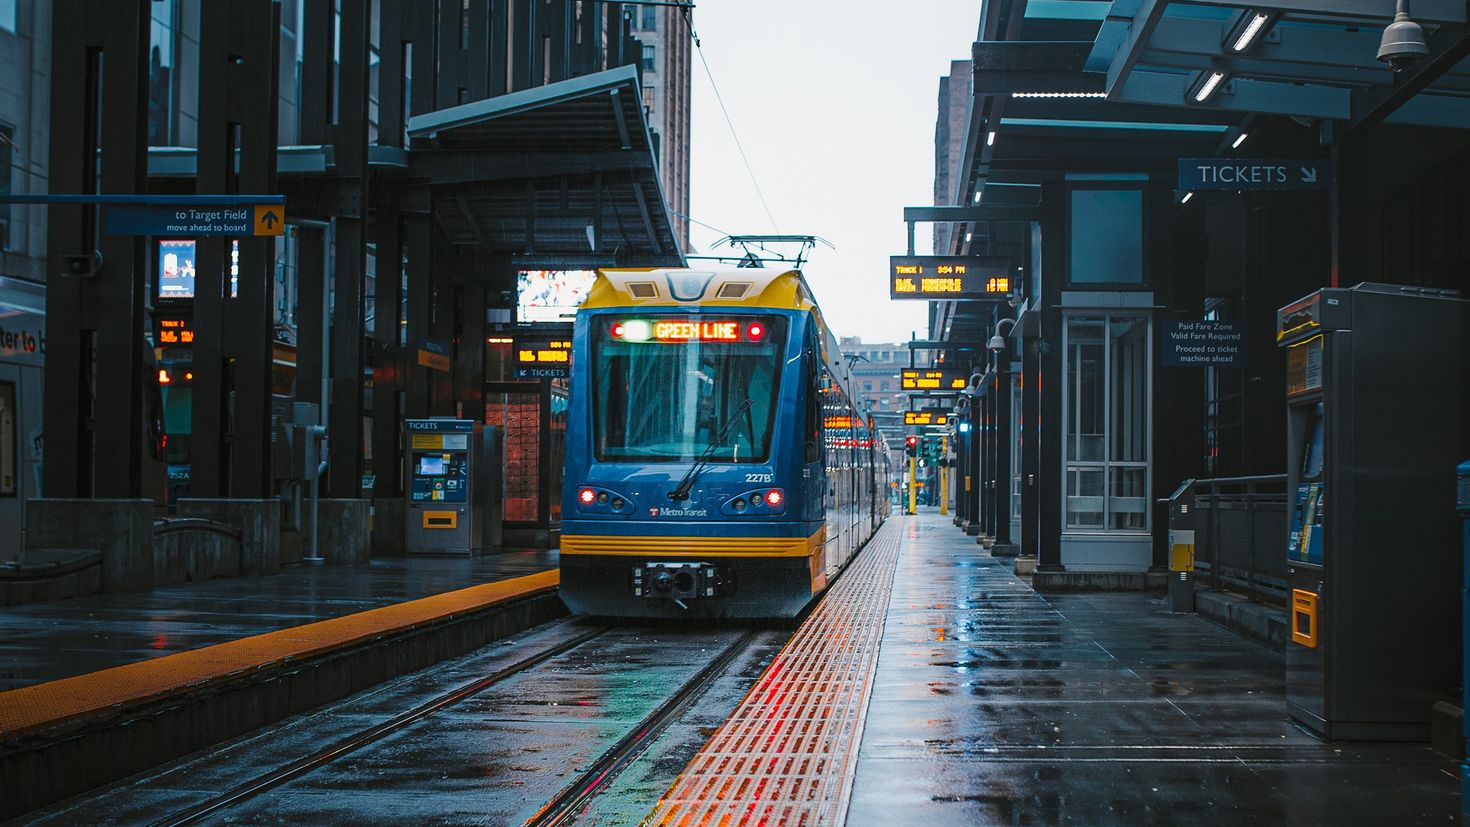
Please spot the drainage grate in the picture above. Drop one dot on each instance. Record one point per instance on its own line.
(787, 753)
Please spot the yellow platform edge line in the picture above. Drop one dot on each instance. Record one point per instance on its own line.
(55, 702)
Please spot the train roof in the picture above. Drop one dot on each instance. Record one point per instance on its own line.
(781, 289)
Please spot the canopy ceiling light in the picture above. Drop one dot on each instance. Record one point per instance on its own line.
(1205, 85)
(1248, 30)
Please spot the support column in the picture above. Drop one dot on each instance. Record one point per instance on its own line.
(388, 357)
(1030, 538)
(95, 374)
(1003, 449)
(1050, 478)
(349, 139)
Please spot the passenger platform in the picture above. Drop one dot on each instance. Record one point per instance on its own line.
(103, 686)
(988, 703)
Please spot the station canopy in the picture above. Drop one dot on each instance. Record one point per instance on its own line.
(1090, 86)
(568, 168)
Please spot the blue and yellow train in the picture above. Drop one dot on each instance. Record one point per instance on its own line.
(718, 463)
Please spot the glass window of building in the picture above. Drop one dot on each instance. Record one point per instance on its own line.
(7, 159)
(648, 55)
(648, 93)
(650, 18)
(1106, 236)
(1106, 423)
(7, 15)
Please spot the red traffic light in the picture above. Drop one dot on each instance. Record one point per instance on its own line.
(912, 441)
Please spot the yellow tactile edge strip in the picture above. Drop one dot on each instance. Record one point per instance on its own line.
(45, 705)
(786, 754)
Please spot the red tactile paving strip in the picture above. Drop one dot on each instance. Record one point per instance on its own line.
(786, 755)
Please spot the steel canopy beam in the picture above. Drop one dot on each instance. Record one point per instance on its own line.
(1423, 11)
(1242, 95)
(1002, 67)
(970, 214)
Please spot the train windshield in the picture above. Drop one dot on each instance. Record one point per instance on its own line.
(667, 387)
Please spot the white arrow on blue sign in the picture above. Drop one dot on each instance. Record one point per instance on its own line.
(1255, 174)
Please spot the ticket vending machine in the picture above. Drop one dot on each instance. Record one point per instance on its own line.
(445, 486)
(1375, 421)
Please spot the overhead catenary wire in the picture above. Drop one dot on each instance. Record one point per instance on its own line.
(728, 121)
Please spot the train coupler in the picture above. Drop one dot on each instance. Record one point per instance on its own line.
(677, 581)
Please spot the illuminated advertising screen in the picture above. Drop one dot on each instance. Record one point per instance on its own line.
(176, 264)
(551, 295)
(949, 277)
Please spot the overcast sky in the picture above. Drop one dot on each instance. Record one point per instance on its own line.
(835, 104)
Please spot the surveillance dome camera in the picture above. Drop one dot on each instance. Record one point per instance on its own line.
(1403, 41)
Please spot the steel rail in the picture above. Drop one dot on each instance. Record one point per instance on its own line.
(352, 743)
(569, 802)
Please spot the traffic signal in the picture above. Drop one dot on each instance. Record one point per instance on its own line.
(912, 446)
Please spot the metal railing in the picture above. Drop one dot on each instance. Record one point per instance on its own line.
(1240, 536)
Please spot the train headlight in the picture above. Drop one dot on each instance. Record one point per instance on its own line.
(774, 498)
(587, 496)
(633, 330)
(738, 504)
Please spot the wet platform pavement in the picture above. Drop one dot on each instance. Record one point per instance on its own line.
(993, 704)
(47, 641)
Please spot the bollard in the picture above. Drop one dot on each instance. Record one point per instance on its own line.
(1462, 504)
(1181, 548)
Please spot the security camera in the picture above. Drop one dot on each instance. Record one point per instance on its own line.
(1403, 41)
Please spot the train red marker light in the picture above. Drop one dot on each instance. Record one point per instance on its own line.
(587, 496)
(774, 497)
(755, 332)
(618, 331)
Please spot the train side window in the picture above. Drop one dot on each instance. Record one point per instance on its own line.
(813, 398)
(9, 424)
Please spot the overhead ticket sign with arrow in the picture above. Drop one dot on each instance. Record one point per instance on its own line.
(1255, 174)
(192, 220)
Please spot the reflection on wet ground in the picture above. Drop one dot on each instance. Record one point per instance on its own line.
(996, 705)
(46, 641)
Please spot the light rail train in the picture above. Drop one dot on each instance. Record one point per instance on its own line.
(719, 462)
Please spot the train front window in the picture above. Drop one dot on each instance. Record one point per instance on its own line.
(666, 387)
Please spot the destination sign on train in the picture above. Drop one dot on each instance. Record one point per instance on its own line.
(949, 277)
(925, 418)
(919, 379)
(678, 331)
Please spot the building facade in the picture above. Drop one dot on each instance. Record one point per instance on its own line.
(428, 153)
(666, 36)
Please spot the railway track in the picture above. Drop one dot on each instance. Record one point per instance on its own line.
(562, 807)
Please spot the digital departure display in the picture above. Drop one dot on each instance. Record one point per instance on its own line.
(949, 277)
(925, 418)
(918, 379)
(540, 355)
(173, 330)
(684, 331)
